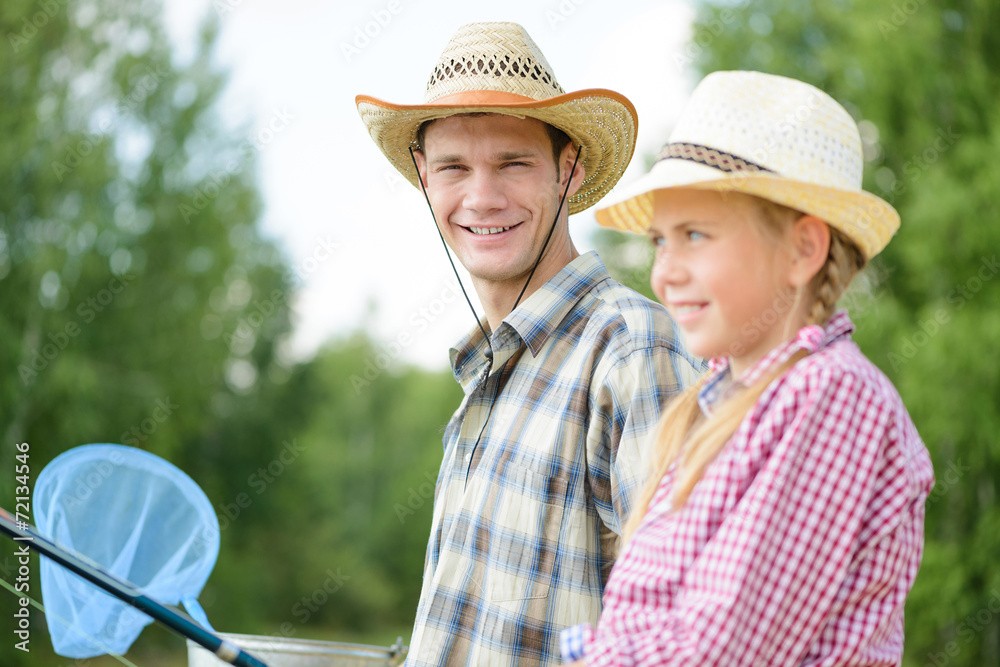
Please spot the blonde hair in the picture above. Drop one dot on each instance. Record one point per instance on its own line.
(684, 435)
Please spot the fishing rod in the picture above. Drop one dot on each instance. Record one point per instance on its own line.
(27, 535)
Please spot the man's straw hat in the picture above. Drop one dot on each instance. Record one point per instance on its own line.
(768, 136)
(497, 68)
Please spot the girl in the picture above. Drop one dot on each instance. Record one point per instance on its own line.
(783, 521)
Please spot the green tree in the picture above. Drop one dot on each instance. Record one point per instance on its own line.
(349, 517)
(922, 80)
(138, 302)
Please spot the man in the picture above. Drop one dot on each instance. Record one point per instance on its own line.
(565, 376)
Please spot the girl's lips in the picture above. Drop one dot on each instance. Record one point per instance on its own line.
(687, 311)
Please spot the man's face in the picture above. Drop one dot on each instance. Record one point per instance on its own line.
(493, 184)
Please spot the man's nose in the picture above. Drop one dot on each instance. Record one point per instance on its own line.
(485, 193)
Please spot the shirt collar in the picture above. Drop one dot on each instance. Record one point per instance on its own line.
(532, 322)
(719, 383)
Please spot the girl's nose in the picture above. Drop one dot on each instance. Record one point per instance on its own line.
(667, 271)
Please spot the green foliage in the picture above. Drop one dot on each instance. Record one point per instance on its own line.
(140, 305)
(122, 318)
(923, 80)
(340, 529)
(132, 273)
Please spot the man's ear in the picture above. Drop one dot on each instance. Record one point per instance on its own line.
(566, 159)
(811, 247)
(418, 156)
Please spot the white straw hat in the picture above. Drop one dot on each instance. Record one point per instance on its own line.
(497, 68)
(769, 136)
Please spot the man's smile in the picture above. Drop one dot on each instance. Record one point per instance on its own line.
(487, 231)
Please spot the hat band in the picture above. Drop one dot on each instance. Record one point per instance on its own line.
(472, 98)
(710, 157)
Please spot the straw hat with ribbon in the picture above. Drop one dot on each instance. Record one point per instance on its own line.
(769, 136)
(497, 68)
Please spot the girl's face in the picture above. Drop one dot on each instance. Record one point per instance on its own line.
(725, 277)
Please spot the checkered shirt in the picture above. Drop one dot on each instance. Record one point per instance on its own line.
(525, 522)
(800, 543)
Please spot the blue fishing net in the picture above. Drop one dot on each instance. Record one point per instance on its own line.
(142, 519)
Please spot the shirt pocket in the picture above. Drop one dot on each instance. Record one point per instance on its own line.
(523, 515)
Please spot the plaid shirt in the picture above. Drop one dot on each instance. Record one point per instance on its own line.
(525, 522)
(800, 543)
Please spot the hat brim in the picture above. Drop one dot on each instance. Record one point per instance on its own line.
(602, 122)
(863, 217)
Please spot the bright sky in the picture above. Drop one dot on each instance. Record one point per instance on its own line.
(297, 65)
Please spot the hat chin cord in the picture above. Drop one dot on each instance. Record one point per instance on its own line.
(486, 337)
(562, 200)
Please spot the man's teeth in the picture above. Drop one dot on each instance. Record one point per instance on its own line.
(488, 230)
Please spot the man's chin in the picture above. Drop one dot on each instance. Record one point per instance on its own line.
(498, 274)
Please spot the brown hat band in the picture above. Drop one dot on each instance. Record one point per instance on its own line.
(710, 157)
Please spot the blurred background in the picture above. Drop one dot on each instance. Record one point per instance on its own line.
(203, 255)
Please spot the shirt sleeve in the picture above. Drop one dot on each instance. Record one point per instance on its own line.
(625, 410)
(572, 641)
(823, 507)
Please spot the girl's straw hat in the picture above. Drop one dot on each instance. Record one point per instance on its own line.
(497, 68)
(768, 136)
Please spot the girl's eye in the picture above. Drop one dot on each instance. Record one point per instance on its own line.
(694, 235)
(657, 240)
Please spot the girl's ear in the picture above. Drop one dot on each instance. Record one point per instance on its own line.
(811, 246)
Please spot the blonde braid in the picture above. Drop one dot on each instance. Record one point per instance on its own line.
(684, 437)
(843, 263)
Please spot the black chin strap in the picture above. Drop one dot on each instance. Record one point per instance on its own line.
(562, 200)
(551, 229)
(489, 349)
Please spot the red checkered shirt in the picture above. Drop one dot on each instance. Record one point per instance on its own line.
(803, 538)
